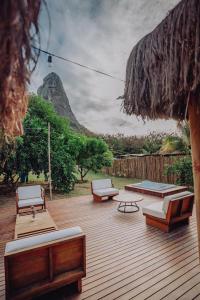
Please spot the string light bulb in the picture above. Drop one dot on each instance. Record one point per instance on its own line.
(49, 60)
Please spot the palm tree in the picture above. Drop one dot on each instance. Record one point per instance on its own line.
(185, 132)
(172, 143)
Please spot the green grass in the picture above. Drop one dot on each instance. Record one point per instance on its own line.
(34, 178)
(84, 188)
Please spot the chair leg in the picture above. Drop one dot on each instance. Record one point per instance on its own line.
(96, 198)
(79, 285)
(187, 221)
(157, 224)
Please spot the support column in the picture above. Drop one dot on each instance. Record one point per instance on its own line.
(194, 120)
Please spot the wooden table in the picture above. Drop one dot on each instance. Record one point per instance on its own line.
(27, 226)
(127, 202)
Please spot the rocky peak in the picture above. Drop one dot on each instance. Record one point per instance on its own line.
(52, 90)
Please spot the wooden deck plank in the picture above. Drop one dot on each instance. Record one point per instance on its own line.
(182, 289)
(193, 293)
(134, 286)
(109, 280)
(173, 284)
(125, 258)
(156, 251)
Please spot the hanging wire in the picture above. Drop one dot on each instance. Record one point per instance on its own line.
(78, 64)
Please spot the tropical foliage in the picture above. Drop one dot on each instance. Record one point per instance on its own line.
(172, 144)
(183, 170)
(29, 153)
(122, 145)
(175, 143)
(93, 154)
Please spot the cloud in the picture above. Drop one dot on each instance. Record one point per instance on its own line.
(101, 34)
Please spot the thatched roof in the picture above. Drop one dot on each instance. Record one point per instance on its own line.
(164, 67)
(18, 32)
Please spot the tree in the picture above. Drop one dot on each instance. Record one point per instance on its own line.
(93, 154)
(180, 143)
(185, 134)
(29, 152)
(172, 144)
(123, 145)
(152, 143)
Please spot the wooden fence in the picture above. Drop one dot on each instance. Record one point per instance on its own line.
(151, 167)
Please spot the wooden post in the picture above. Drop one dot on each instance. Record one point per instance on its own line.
(49, 159)
(194, 120)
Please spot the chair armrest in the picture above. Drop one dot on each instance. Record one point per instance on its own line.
(42, 192)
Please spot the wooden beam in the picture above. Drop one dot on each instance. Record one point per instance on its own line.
(194, 120)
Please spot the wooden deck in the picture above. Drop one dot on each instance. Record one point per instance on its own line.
(125, 258)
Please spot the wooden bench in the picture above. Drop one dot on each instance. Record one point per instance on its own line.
(42, 263)
(174, 210)
(27, 196)
(103, 188)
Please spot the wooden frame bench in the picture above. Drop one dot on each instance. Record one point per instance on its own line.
(32, 195)
(40, 264)
(103, 188)
(175, 210)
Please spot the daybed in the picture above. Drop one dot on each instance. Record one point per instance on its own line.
(103, 189)
(27, 196)
(171, 212)
(42, 263)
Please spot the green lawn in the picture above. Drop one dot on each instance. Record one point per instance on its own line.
(84, 188)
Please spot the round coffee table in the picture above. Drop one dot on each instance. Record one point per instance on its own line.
(127, 203)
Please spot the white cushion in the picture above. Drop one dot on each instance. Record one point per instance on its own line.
(174, 197)
(23, 244)
(106, 192)
(28, 192)
(101, 184)
(155, 210)
(30, 202)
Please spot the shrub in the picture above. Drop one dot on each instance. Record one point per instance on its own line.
(120, 144)
(183, 170)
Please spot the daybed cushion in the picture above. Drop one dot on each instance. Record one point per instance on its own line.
(23, 244)
(106, 192)
(101, 184)
(28, 192)
(154, 186)
(174, 197)
(155, 210)
(30, 202)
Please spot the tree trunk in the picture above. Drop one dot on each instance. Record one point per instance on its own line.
(81, 173)
(194, 119)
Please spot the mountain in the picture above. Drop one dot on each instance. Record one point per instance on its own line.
(52, 90)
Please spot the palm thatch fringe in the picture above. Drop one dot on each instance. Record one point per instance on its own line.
(18, 32)
(163, 69)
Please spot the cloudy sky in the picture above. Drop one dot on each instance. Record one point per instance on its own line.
(100, 34)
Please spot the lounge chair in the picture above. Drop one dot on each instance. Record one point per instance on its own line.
(103, 188)
(171, 212)
(28, 196)
(43, 263)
